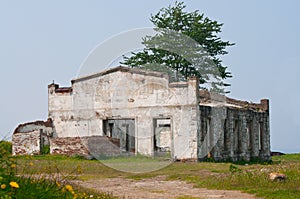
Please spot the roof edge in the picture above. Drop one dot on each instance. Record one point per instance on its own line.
(122, 69)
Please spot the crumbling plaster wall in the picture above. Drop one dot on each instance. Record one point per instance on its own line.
(26, 143)
(123, 93)
(139, 95)
(30, 138)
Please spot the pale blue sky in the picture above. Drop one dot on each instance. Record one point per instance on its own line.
(41, 41)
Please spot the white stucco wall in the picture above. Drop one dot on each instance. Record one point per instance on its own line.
(139, 95)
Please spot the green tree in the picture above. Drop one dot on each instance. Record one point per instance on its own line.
(187, 59)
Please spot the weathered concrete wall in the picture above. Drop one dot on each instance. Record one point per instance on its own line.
(128, 111)
(234, 130)
(236, 134)
(123, 93)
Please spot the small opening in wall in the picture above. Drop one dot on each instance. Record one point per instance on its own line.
(226, 137)
(250, 136)
(237, 135)
(260, 135)
(205, 125)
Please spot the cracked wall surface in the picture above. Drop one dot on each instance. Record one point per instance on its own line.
(30, 138)
(124, 93)
(129, 111)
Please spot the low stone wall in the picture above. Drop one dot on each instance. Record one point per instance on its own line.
(30, 138)
(68, 146)
(86, 146)
(26, 143)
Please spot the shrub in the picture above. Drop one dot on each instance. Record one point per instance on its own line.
(33, 185)
(5, 148)
(234, 169)
(45, 150)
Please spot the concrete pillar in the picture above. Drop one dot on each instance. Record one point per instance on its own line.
(243, 138)
(255, 137)
(231, 137)
(265, 148)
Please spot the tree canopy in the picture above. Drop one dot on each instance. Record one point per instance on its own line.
(186, 44)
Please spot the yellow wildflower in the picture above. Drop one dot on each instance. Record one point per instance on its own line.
(13, 166)
(14, 184)
(69, 188)
(31, 163)
(58, 184)
(3, 186)
(79, 169)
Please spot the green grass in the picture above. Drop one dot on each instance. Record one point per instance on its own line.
(41, 177)
(252, 178)
(287, 157)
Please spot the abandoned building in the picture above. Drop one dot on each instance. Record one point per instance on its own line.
(126, 111)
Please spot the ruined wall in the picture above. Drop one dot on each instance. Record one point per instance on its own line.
(235, 134)
(128, 111)
(123, 93)
(68, 146)
(30, 138)
(90, 147)
(230, 129)
(26, 143)
(60, 110)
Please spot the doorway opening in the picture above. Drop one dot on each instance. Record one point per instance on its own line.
(121, 132)
(162, 139)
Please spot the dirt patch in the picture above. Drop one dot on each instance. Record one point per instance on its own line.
(157, 187)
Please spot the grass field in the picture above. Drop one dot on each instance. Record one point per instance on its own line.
(252, 178)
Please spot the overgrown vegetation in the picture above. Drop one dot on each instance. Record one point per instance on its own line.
(252, 178)
(5, 148)
(21, 180)
(46, 150)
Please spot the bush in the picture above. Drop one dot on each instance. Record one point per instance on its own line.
(45, 150)
(234, 169)
(30, 185)
(5, 148)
